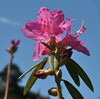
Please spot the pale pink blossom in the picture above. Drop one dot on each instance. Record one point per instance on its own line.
(48, 24)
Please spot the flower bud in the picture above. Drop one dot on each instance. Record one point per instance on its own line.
(13, 46)
(43, 73)
(53, 91)
(49, 71)
(40, 74)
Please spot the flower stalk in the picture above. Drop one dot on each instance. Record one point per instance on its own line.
(57, 80)
(8, 77)
(12, 48)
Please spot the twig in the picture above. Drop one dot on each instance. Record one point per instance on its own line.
(8, 77)
(60, 96)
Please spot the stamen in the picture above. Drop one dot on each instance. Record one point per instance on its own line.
(81, 30)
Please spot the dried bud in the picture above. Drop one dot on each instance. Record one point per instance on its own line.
(53, 91)
(13, 46)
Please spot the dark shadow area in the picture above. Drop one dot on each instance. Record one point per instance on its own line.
(15, 91)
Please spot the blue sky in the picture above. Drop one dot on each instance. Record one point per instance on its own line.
(14, 14)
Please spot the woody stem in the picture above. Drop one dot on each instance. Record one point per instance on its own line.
(60, 96)
(8, 77)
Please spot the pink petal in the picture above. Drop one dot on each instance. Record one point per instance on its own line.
(32, 30)
(57, 16)
(33, 25)
(57, 19)
(58, 38)
(82, 49)
(50, 21)
(38, 50)
(72, 41)
(44, 16)
(67, 25)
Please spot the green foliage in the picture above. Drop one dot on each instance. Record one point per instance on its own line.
(72, 73)
(27, 72)
(72, 90)
(32, 79)
(78, 71)
(53, 62)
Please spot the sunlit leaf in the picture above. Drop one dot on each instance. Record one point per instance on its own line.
(72, 90)
(56, 61)
(32, 78)
(53, 62)
(72, 73)
(81, 73)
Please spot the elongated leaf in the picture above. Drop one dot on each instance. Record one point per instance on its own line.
(51, 61)
(72, 90)
(32, 78)
(72, 73)
(56, 63)
(45, 44)
(27, 72)
(81, 73)
(63, 61)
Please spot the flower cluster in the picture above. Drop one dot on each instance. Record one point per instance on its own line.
(51, 24)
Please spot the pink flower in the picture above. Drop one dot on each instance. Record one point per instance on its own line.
(74, 43)
(48, 24)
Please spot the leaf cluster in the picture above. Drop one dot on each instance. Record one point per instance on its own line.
(74, 69)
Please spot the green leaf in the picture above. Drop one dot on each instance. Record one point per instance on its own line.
(81, 73)
(56, 61)
(53, 62)
(26, 72)
(63, 61)
(32, 78)
(72, 90)
(45, 44)
(73, 73)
